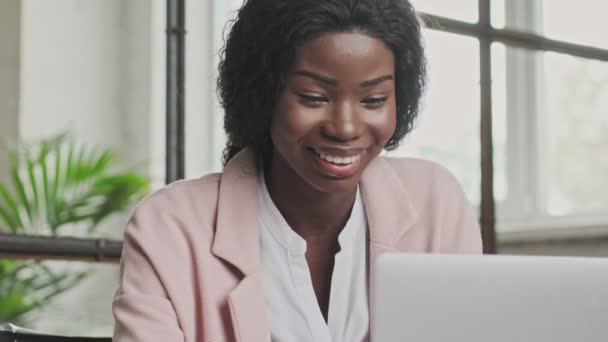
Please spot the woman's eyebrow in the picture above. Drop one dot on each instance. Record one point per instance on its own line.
(332, 81)
(376, 81)
(317, 77)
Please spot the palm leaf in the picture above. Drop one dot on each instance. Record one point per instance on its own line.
(47, 196)
(69, 163)
(29, 285)
(9, 211)
(19, 185)
(15, 304)
(31, 173)
(10, 202)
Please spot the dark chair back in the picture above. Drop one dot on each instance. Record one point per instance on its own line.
(12, 333)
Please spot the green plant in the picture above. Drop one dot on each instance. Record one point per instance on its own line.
(55, 184)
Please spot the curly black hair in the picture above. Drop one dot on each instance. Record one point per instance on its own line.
(260, 48)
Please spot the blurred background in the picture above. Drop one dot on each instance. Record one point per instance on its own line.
(82, 108)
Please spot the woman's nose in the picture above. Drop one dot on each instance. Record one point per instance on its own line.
(344, 123)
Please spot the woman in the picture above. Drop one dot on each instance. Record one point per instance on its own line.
(280, 245)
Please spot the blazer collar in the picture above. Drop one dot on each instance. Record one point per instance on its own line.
(390, 212)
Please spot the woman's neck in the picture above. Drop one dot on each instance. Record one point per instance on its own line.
(309, 212)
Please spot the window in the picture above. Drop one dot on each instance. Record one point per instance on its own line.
(554, 103)
(549, 124)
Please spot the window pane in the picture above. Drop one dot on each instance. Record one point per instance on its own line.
(83, 310)
(498, 13)
(559, 20)
(465, 10)
(576, 134)
(515, 95)
(448, 127)
(583, 23)
(550, 124)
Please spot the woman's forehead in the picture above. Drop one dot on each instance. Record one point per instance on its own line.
(345, 54)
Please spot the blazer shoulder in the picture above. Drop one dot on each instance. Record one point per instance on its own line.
(442, 205)
(173, 197)
(431, 186)
(183, 205)
(423, 172)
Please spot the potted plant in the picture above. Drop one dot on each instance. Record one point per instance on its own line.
(55, 184)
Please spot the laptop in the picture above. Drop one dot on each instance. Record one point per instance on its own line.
(448, 298)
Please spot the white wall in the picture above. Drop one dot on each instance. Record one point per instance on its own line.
(10, 33)
(143, 86)
(71, 70)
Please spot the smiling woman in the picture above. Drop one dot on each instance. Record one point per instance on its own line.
(280, 246)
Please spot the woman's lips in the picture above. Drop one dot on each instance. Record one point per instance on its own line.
(335, 165)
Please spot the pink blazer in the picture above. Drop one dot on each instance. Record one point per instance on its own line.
(190, 268)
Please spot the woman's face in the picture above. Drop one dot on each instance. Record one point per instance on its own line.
(337, 111)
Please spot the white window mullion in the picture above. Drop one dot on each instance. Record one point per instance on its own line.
(523, 162)
(541, 140)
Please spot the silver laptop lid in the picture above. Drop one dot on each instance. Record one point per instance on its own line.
(443, 298)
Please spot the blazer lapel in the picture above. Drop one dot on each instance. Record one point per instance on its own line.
(237, 228)
(237, 241)
(248, 310)
(390, 213)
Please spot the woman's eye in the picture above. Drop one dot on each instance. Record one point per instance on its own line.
(313, 99)
(374, 101)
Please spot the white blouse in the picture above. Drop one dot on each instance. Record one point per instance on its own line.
(293, 309)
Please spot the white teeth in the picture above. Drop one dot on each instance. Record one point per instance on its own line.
(338, 160)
